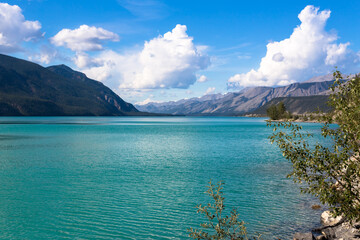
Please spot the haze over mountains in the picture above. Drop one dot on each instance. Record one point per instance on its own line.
(28, 89)
(247, 100)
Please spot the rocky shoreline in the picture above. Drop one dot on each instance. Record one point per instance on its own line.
(332, 229)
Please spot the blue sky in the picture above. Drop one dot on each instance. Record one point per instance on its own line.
(156, 50)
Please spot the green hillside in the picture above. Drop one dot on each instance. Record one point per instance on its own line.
(28, 89)
(298, 105)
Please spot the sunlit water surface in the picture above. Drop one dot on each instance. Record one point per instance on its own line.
(141, 177)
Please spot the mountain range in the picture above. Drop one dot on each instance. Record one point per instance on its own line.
(249, 99)
(28, 89)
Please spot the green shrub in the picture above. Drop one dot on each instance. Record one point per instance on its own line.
(219, 225)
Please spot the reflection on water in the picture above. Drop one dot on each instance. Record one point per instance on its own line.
(124, 120)
(12, 137)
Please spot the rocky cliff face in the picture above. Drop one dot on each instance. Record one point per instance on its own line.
(236, 103)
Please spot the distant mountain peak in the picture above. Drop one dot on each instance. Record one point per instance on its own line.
(322, 78)
(62, 67)
(66, 71)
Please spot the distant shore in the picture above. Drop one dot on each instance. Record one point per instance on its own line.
(299, 118)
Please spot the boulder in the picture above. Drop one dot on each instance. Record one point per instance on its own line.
(320, 237)
(343, 231)
(328, 220)
(304, 236)
(329, 233)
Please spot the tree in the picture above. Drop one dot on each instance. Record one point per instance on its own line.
(273, 113)
(281, 108)
(331, 172)
(219, 226)
(276, 112)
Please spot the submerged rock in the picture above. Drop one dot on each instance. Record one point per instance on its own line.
(316, 207)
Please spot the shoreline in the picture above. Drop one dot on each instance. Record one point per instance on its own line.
(299, 118)
(332, 228)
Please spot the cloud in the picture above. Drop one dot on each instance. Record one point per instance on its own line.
(202, 79)
(146, 101)
(45, 55)
(210, 90)
(84, 60)
(84, 38)
(168, 61)
(14, 29)
(309, 51)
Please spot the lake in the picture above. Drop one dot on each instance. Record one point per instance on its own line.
(142, 177)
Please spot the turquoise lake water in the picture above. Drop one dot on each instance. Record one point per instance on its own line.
(142, 177)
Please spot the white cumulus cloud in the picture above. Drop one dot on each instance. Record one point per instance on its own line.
(309, 51)
(168, 61)
(202, 79)
(210, 90)
(14, 29)
(84, 38)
